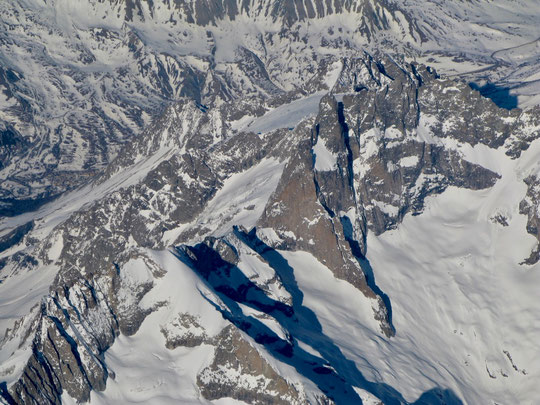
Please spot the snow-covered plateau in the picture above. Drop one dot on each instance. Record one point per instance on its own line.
(269, 202)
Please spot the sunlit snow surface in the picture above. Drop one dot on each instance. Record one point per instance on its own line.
(464, 310)
(284, 116)
(240, 201)
(325, 160)
(466, 313)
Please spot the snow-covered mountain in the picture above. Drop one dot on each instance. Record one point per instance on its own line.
(80, 78)
(269, 202)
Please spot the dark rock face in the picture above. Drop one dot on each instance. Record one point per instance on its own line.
(296, 214)
(208, 12)
(10, 143)
(15, 236)
(529, 206)
(73, 327)
(236, 364)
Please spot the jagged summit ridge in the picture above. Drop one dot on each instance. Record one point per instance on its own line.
(204, 12)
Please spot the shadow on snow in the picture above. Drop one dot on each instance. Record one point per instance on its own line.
(498, 94)
(334, 374)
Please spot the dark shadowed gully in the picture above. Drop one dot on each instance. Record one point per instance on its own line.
(334, 374)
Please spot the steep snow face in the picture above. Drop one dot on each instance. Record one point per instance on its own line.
(492, 341)
(285, 116)
(324, 159)
(240, 202)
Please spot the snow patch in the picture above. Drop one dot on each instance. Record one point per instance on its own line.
(56, 247)
(409, 161)
(284, 116)
(324, 159)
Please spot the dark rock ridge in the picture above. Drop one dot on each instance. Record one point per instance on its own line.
(234, 353)
(529, 206)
